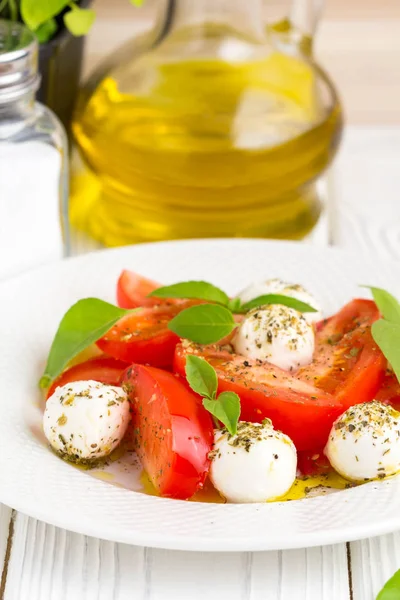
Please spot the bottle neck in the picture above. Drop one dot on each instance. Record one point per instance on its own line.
(241, 16)
(16, 114)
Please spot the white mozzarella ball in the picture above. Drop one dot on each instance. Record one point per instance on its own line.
(277, 334)
(86, 420)
(364, 442)
(255, 465)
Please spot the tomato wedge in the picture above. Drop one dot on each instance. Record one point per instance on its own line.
(143, 337)
(102, 368)
(354, 314)
(347, 362)
(297, 408)
(389, 392)
(313, 463)
(133, 289)
(173, 433)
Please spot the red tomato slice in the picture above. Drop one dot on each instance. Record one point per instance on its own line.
(102, 368)
(133, 289)
(173, 432)
(313, 463)
(297, 408)
(389, 392)
(354, 314)
(347, 362)
(143, 337)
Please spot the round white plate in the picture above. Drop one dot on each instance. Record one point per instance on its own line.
(36, 482)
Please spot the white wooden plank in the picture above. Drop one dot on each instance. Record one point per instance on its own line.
(309, 574)
(5, 523)
(373, 562)
(49, 563)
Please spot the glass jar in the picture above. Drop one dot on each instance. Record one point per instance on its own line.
(220, 130)
(33, 160)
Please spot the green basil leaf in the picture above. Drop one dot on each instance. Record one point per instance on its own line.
(79, 20)
(203, 323)
(226, 409)
(35, 12)
(234, 304)
(201, 376)
(136, 2)
(388, 305)
(200, 290)
(46, 31)
(277, 299)
(387, 335)
(391, 589)
(82, 325)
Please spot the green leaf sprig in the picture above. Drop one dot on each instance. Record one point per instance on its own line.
(391, 589)
(209, 323)
(199, 290)
(386, 331)
(203, 323)
(79, 20)
(40, 16)
(288, 301)
(83, 324)
(202, 378)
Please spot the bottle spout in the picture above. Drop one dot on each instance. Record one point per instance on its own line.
(296, 32)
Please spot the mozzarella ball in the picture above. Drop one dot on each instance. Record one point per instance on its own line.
(255, 465)
(277, 286)
(364, 442)
(278, 334)
(86, 420)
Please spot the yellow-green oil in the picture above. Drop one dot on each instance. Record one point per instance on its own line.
(204, 148)
(301, 488)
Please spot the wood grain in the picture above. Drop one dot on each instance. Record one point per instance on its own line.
(358, 43)
(48, 563)
(5, 524)
(374, 561)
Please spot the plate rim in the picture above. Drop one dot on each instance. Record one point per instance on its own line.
(309, 539)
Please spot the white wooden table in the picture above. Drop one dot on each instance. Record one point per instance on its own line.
(42, 562)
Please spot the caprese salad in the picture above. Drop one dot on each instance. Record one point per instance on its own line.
(257, 396)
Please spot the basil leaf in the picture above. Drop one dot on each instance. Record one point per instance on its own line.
(277, 299)
(200, 290)
(226, 409)
(136, 2)
(201, 376)
(234, 304)
(34, 13)
(391, 589)
(82, 325)
(203, 323)
(388, 305)
(79, 20)
(387, 335)
(46, 31)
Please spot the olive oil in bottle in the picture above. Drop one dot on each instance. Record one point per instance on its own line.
(214, 133)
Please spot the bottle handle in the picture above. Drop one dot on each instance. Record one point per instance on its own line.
(305, 15)
(299, 27)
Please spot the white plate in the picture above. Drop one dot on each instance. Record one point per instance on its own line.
(36, 482)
